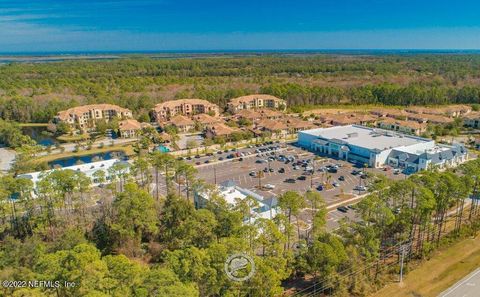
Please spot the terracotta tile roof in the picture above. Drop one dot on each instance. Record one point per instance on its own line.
(205, 119)
(269, 113)
(221, 130)
(129, 125)
(296, 123)
(272, 125)
(408, 124)
(248, 114)
(80, 110)
(180, 120)
(474, 115)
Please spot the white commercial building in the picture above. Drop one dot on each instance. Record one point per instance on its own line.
(378, 147)
(266, 207)
(88, 169)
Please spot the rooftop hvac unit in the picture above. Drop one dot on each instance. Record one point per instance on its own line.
(352, 135)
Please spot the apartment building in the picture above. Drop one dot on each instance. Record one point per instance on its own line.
(256, 101)
(85, 117)
(186, 107)
(130, 128)
(472, 120)
(408, 127)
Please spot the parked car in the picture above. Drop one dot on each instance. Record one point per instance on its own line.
(265, 169)
(269, 186)
(219, 152)
(241, 159)
(220, 159)
(281, 170)
(197, 163)
(360, 188)
(341, 178)
(332, 170)
(197, 156)
(302, 177)
(320, 188)
(206, 161)
(253, 173)
(271, 170)
(343, 209)
(336, 184)
(290, 180)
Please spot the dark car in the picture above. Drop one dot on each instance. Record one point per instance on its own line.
(320, 188)
(271, 170)
(219, 152)
(189, 158)
(210, 154)
(332, 170)
(197, 156)
(231, 156)
(206, 161)
(241, 159)
(225, 151)
(197, 163)
(343, 209)
(302, 177)
(281, 170)
(265, 169)
(180, 158)
(290, 180)
(341, 178)
(220, 159)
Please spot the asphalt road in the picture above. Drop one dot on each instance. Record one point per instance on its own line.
(469, 286)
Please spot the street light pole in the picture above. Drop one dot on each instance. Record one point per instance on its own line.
(215, 174)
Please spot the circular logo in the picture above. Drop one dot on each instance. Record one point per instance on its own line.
(239, 267)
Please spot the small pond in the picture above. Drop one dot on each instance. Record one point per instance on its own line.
(40, 135)
(70, 161)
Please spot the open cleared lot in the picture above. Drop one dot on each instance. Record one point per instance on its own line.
(444, 270)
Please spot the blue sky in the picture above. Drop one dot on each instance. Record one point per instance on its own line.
(116, 25)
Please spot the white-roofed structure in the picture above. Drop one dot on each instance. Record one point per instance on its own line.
(88, 169)
(267, 207)
(378, 147)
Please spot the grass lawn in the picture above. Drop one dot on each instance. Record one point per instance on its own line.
(33, 124)
(446, 267)
(126, 148)
(72, 138)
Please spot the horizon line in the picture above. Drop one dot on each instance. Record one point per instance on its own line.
(220, 51)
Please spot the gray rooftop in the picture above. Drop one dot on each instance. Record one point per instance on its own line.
(370, 138)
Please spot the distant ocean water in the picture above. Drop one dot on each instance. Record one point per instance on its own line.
(39, 57)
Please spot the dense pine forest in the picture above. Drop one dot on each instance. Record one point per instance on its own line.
(34, 92)
(126, 240)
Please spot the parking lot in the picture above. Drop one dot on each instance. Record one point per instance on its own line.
(335, 180)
